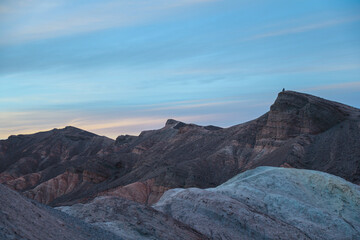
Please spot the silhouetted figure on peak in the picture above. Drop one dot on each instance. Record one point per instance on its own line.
(283, 90)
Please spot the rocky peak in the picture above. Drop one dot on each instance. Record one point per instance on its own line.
(71, 128)
(212, 128)
(56, 132)
(124, 139)
(176, 124)
(288, 101)
(171, 122)
(296, 113)
(73, 131)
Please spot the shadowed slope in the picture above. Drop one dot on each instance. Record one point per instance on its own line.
(21, 218)
(131, 220)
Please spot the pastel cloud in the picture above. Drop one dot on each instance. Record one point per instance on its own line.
(197, 105)
(114, 121)
(303, 28)
(31, 122)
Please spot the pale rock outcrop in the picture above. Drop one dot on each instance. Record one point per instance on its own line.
(268, 202)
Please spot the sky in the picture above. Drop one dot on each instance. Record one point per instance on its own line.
(120, 67)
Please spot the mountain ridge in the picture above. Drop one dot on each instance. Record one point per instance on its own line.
(300, 131)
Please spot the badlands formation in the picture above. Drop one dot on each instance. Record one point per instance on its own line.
(292, 173)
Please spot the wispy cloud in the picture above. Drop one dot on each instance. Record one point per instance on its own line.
(77, 18)
(114, 121)
(278, 69)
(355, 86)
(121, 122)
(312, 69)
(196, 105)
(303, 28)
(22, 6)
(133, 126)
(90, 124)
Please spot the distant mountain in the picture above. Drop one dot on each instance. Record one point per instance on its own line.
(47, 165)
(270, 203)
(66, 166)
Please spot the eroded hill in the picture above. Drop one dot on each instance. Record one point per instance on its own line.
(66, 166)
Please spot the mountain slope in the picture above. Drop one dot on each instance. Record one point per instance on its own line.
(49, 164)
(268, 202)
(300, 131)
(131, 220)
(21, 218)
(69, 165)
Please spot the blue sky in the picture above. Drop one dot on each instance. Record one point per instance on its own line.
(119, 67)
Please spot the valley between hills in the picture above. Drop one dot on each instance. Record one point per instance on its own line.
(292, 173)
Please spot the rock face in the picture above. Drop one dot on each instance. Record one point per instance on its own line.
(21, 218)
(131, 220)
(268, 202)
(67, 166)
(60, 185)
(295, 113)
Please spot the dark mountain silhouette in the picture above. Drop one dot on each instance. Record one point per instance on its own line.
(65, 166)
